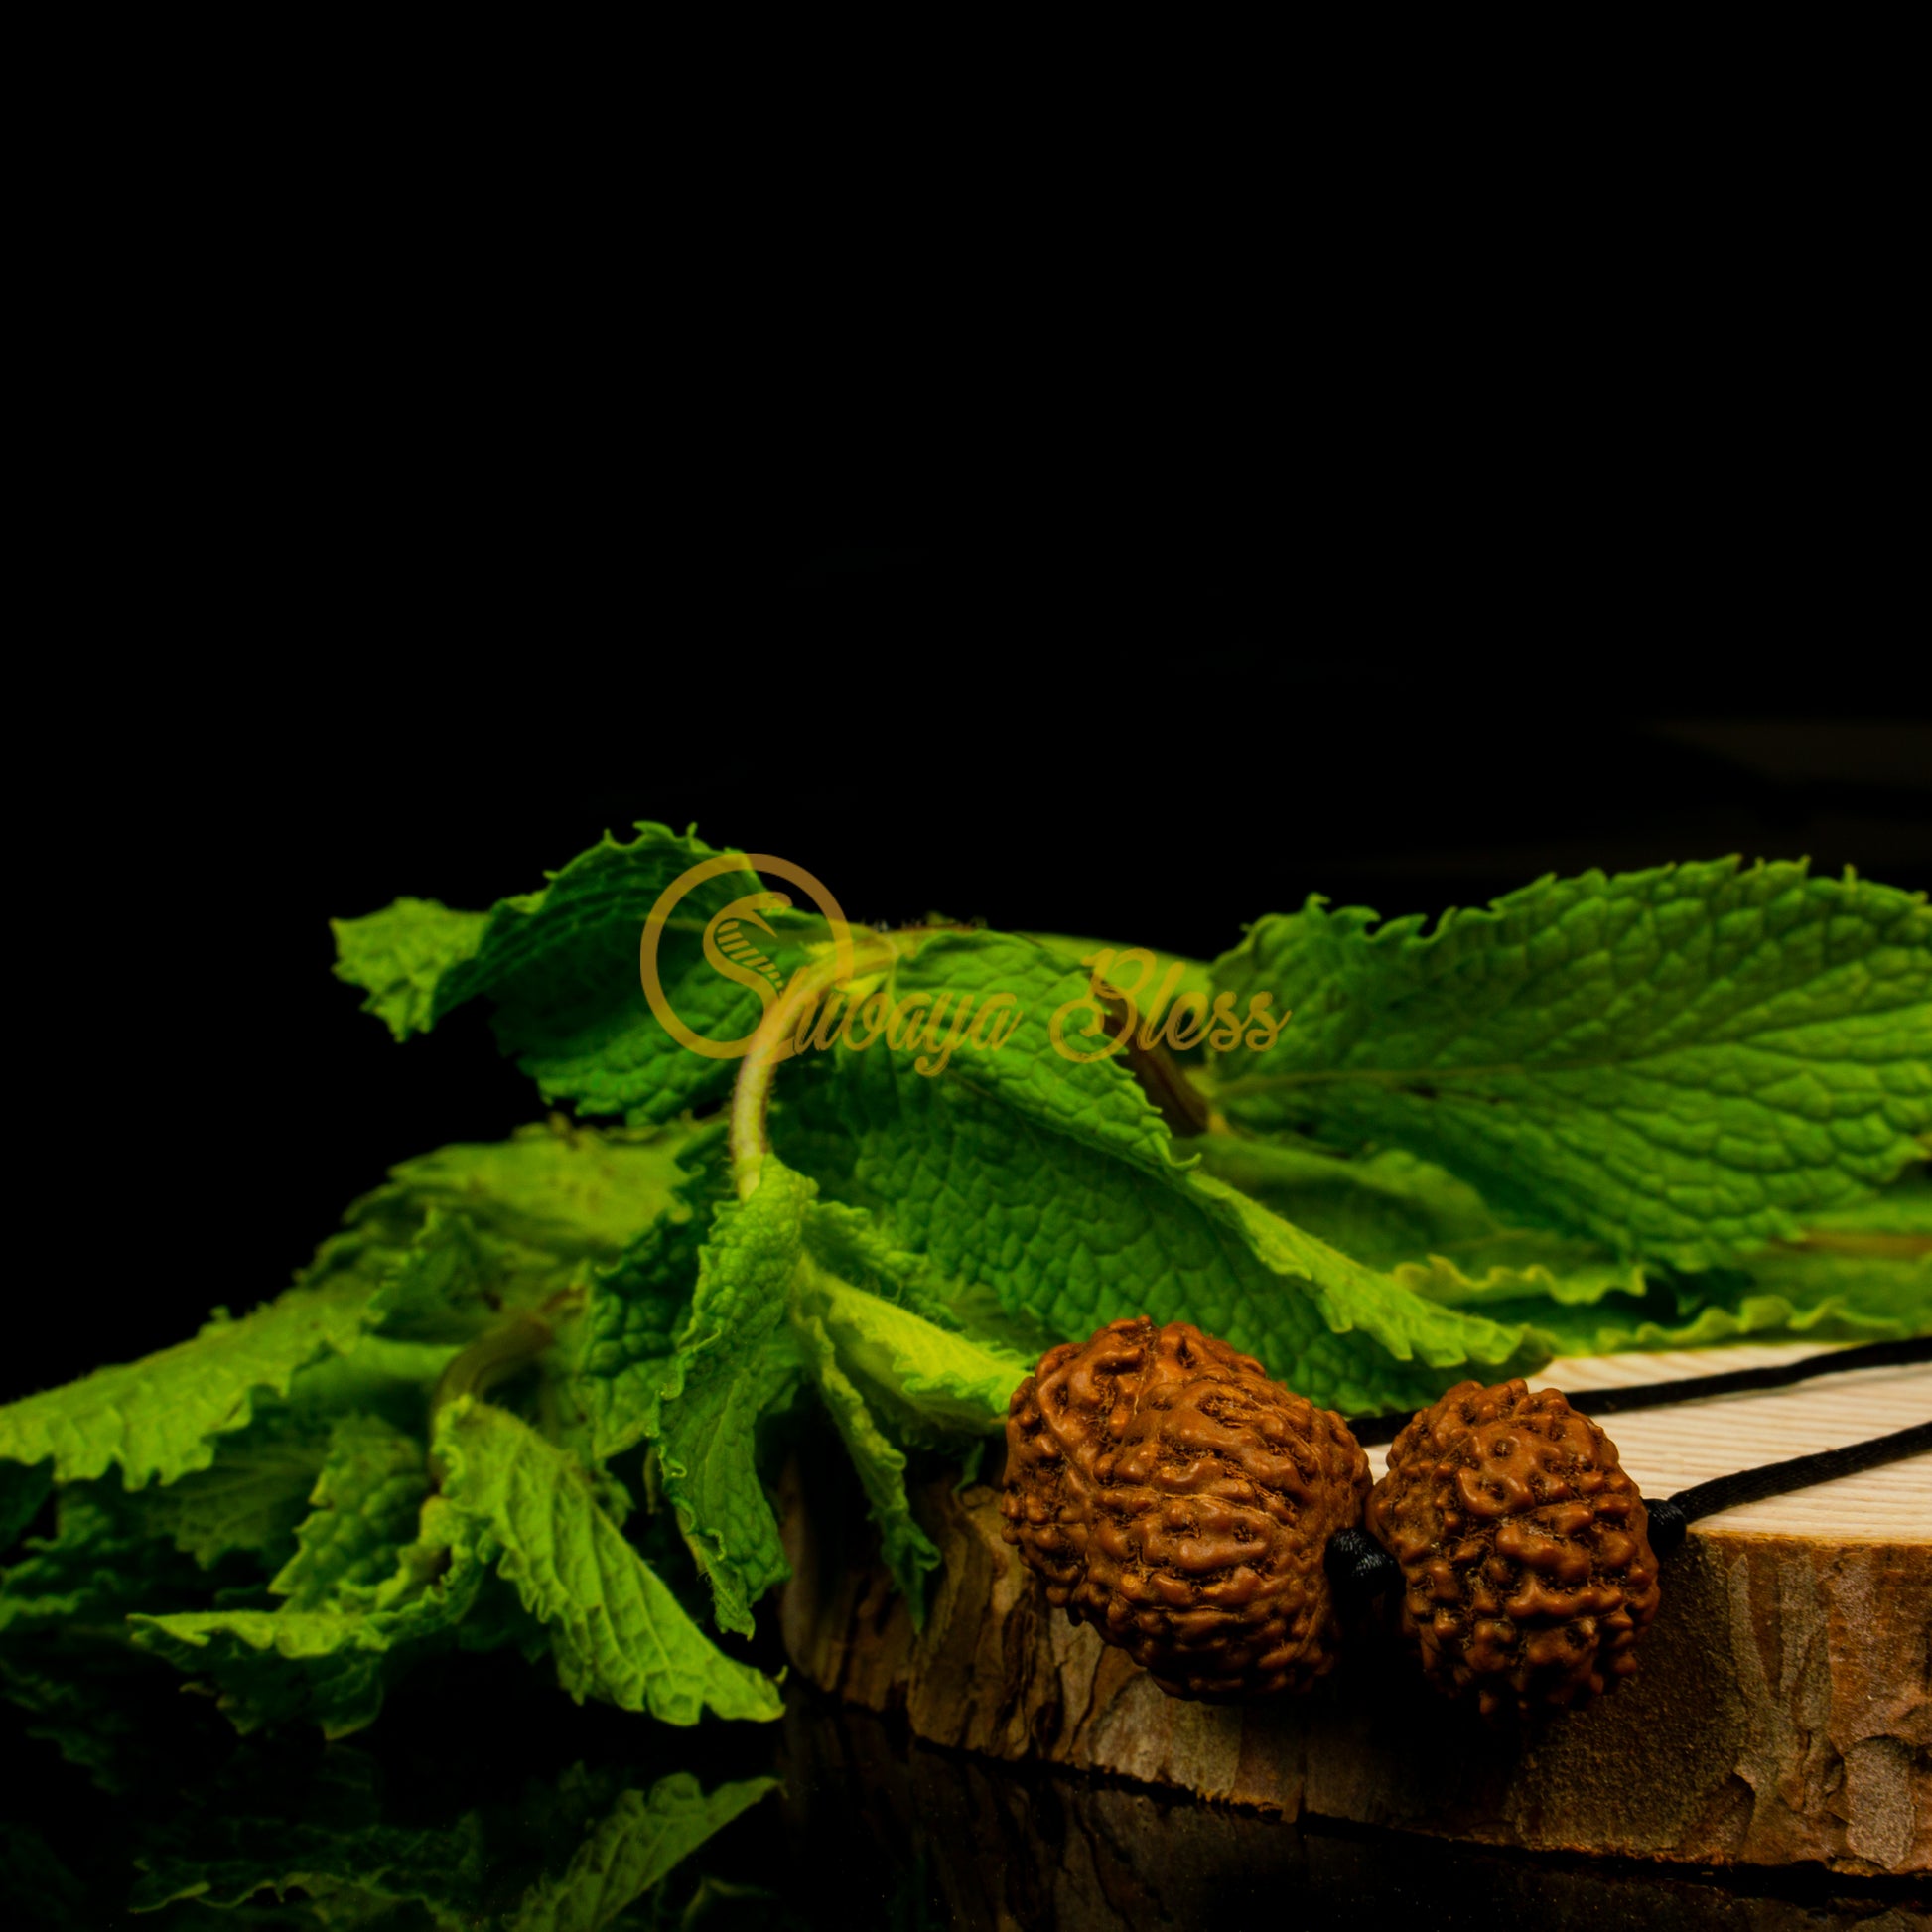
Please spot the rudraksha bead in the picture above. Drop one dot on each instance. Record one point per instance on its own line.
(1527, 1573)
(1173, 1496)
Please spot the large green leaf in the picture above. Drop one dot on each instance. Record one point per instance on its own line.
(640, 1302)
(22, 1491)
(571, 1190)
(880, 1466)
(1684, 1064)
(633, 1848)
(1058, 1187)
(331, 1665)
(616, 1629)
(1857, 1273)
(161, 1417)
(367, 1500)
(569, 1854)
(769, 1306)
(736, 1360)
(455, 1238)
(249, 1498)
(1778, 1298)
(561, 965)
(100, 1563)
(947, 1380)
(400, 955)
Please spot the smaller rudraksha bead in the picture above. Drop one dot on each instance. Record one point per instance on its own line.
(1527, 1573)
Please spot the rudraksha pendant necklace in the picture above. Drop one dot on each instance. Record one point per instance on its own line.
(1217, 1526)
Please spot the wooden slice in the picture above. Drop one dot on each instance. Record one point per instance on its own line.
(1671, 1448)
(1782, 1712)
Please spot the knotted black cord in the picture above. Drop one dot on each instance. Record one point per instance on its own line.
(1671, 1518)
(1369, 1430)
(1360, 1568)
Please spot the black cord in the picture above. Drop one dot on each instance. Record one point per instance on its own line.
(1696, 1388)
(1671, 1518)
(1360, 1568)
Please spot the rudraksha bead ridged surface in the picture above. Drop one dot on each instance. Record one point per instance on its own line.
(1171, 1495)
(1528, 1576)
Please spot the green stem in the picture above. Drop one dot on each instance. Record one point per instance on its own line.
(492, 1358)
(1903, 1247)
(773, 1045)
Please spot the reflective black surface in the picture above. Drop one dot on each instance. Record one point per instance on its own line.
(486, 1800)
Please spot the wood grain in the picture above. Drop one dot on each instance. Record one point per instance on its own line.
(1782, 1712)
(1670, 1448)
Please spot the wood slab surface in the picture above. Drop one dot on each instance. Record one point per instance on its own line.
(1781, 1713)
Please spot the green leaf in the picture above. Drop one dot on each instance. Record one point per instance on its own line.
(1901, 1217)
(249, 1498)
(1865, 1280)
(22, 1491)
(1391, 1210)
(575, 1192)
(101, 1562)
(377, 1376)
(242, 1833)
(160, 1417)
(881, 1464)
(562, 966)
(402, 954)
(331, 1666)
(1685, 1063)
(847, 1243)
(1058, 1187)
(947, 1380)
(735, 1361)
(459, 1237)
(451, 1280)
(367, 1497)
(640, 1302)
(1853, 1297)
(455, 1238)
(644, 1836)
(1194, 976)
(1380, 1209)
(617, 1630)
(765, 1283)
(564, 1854)
(1781, 1295)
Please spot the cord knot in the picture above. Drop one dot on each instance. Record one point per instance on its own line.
(1669, 1524)
(1358, 1567)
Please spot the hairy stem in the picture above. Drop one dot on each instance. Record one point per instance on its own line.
(492, 1358)
(772, 1043)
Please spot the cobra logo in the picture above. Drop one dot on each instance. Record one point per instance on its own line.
(729, 947)
(734, 954)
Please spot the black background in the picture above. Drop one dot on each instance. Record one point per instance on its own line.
(1117, 741)
(1129, 739)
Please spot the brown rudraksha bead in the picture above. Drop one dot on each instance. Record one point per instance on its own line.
(1527, 1573)
(1173, 1496)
